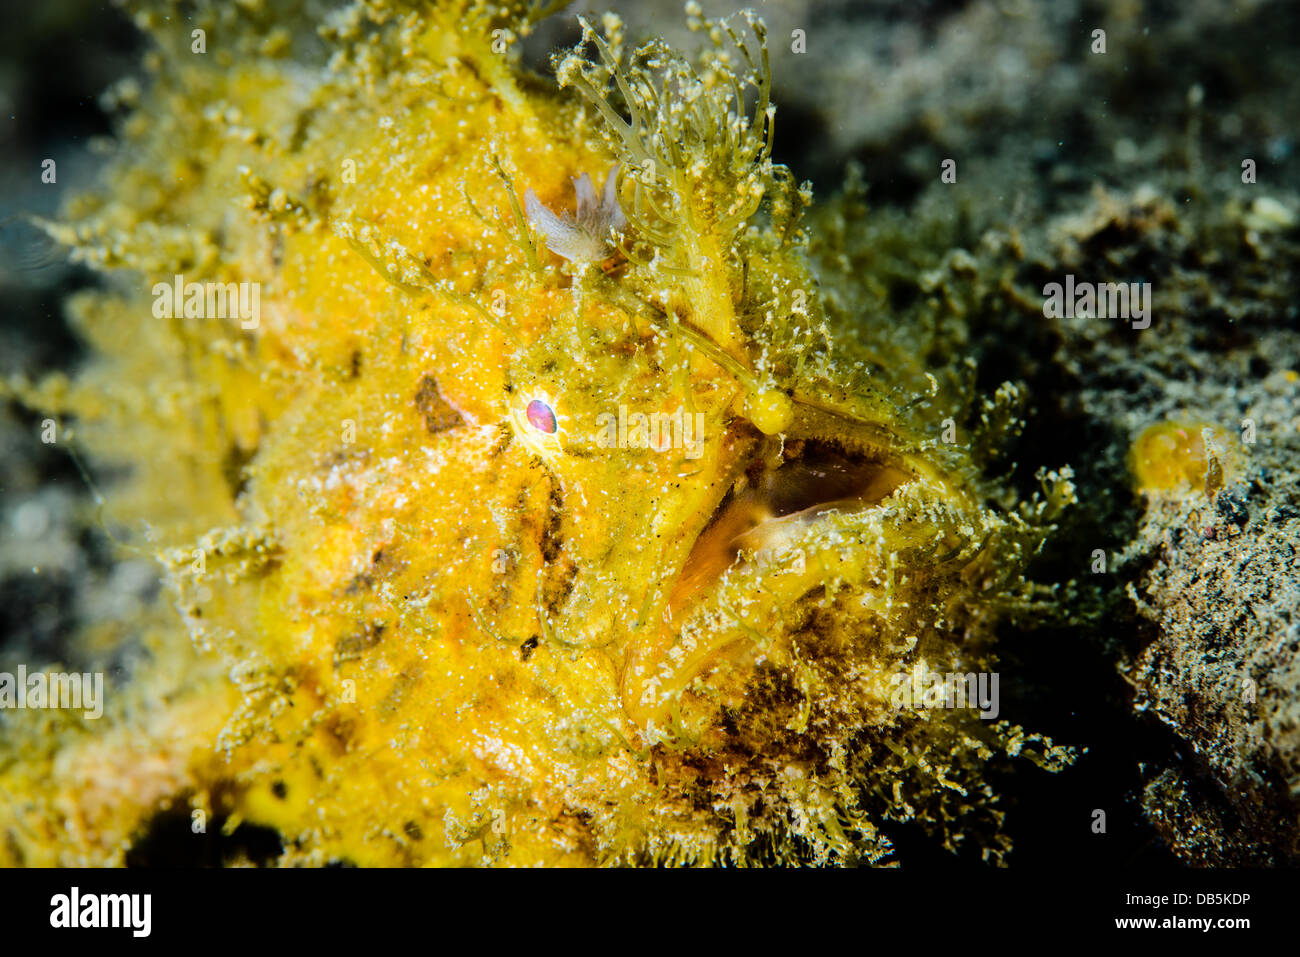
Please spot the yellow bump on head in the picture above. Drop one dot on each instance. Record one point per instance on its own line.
(1170, 455)
(770, 411)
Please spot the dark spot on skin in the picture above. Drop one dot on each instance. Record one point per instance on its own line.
(438, 414)
(505, 435)
(14, 849)
(351, 647)
(364, 581)
(398, 692)
(355, 366)
(359, 583)
(302, 122)
(319, 198)
(526, 649)
(339, 732)
(561, 571)
(233, 469)
(551, 536)
(279, 790)
(412, 830)
(727, 721)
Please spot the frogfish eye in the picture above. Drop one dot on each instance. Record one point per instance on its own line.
(541, 417)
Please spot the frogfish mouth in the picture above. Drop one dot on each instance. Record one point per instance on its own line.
(809, 546)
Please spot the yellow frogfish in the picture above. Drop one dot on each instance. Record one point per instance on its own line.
(525, 487)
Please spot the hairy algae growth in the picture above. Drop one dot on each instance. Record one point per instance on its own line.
(433, 606)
